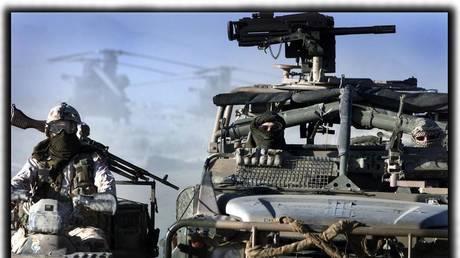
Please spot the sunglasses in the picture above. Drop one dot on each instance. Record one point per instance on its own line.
(62, 125)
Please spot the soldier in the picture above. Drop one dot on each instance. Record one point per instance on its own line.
(63, 168)
(267, 131)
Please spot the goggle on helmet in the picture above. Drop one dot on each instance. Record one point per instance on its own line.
(58, 126)
(62, 118)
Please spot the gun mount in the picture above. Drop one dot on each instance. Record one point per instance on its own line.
(307, 37)
(392, 188)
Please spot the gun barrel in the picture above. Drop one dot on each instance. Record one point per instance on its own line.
(141, 171)
(381, 29)
(291, 117)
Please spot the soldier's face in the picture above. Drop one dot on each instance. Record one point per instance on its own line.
(270, 126)
(56, 127)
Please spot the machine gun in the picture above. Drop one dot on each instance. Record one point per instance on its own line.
(308, 37)
(116, 164)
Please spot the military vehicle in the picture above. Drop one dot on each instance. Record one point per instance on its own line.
(129, 228)
(381, 194)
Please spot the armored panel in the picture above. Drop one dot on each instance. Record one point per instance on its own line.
(184, 205)
(298, 173)
(317, 210)
(130, 225)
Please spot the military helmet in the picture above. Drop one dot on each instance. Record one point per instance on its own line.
(63, 112)
(62, 118)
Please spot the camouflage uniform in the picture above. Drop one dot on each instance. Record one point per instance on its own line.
(28, 175)
(65, 172)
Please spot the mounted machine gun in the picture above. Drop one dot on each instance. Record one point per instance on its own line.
(307, 37)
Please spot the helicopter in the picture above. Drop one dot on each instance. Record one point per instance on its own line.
(101, 82)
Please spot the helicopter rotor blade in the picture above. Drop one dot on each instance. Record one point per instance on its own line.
(201, 69)
(186, 78)
(70, 56)
(161, 59)
(147, 83)
(99, 60)
(218, 68)
(146, 68)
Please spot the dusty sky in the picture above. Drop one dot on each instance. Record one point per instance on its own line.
(170, 104)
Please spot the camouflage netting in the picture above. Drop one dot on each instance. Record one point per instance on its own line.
(321, 241)
(426, 133)
(370, 95)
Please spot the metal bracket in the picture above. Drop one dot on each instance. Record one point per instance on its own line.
(394, 163)
(342, 182)
(207, 204)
